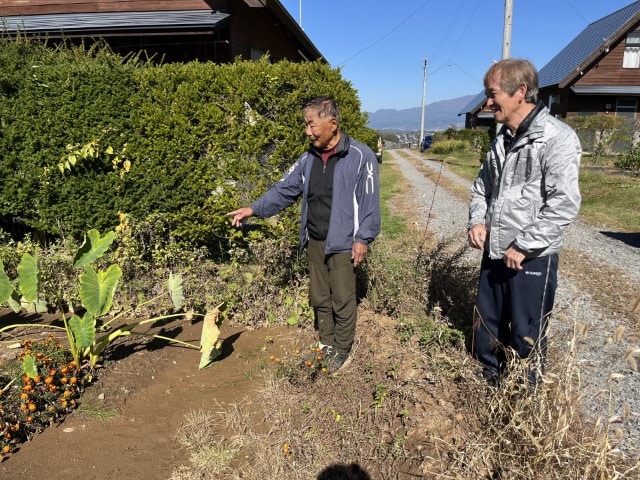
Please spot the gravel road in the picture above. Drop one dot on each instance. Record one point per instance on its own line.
(605, 347)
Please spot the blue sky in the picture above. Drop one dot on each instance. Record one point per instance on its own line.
(381, 46)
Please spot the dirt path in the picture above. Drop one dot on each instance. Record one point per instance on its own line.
(153, 390)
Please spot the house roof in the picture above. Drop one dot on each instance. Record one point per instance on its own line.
(159, 19)
(79, 23)
(475, 104)
(591, 42)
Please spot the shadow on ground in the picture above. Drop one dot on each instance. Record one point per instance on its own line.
(631, 239)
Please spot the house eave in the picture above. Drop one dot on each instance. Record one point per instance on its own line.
(606, 90)
(278, 9)
(77, 24)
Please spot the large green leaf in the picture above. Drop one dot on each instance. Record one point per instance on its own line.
(29, 277)
(14, 302)
(83, 329)
(29, 366)
(175, 288)
(97, 289)
(6, 290)
(93, 247)
(210, 345)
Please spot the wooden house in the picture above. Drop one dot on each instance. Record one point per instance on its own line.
(167, 30)
(597, 72)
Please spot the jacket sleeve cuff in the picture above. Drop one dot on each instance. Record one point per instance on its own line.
(471, 223)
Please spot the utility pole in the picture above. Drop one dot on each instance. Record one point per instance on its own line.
(506, 37)
(424, 96)
(300, 21)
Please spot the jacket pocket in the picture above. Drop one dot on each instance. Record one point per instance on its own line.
(524, 169)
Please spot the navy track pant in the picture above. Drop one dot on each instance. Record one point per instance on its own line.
(512, 310)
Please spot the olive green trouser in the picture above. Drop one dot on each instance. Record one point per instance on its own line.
(332, 293)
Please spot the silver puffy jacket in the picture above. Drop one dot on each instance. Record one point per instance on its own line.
(528, 198)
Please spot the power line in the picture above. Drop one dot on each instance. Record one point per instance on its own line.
(444, 37)
(385, 35)
(466, 29)
(461, 37)
(466, 73)
(577, 12)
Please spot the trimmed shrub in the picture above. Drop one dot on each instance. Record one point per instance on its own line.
(450, 146)
(52, 99)
(600, 134)
(86, 135)
(630, 161)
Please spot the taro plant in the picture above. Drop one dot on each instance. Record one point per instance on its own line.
(90, 334)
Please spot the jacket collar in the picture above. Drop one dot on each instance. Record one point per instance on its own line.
(530, 127)
(341, 147)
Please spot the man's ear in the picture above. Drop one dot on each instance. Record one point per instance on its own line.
(522, 89)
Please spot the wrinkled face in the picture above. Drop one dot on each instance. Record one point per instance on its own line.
(505, 107)
(322, 131)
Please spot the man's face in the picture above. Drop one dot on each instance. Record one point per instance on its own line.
(321, 131)
(503, 105)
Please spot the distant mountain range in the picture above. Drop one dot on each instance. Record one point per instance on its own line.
(437, 116)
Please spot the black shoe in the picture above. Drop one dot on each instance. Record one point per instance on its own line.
(336, 361)
(491, 377)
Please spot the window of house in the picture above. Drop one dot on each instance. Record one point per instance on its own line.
(553, 99)
(626, 107)
(631, 58)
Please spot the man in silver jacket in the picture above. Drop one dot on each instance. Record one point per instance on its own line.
(524, 197)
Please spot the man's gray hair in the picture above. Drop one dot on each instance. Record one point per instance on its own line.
(323, 106)
(513, 73)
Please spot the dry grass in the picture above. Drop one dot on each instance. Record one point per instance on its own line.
(526, 431)
(210, 454)
(401, 411)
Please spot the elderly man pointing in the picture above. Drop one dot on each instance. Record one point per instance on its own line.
(337, 180)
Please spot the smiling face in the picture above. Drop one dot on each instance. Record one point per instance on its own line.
(507, 109)
(322, 131)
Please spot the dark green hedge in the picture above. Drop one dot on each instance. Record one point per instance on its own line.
(187, 141)
(49, 99)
